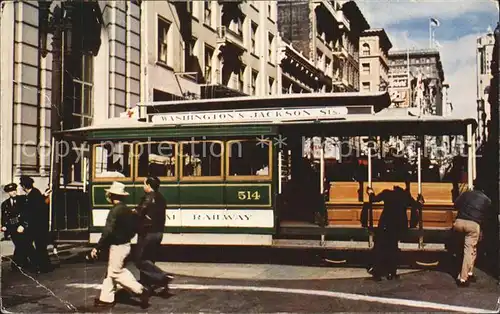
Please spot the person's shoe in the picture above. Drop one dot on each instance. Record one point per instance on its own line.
(392, 276)
(375, 278)
(165, 292)
(144, 297)
(99, 303)
(462, 284)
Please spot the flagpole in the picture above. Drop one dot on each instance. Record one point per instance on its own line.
(430, 33)
(408, 72)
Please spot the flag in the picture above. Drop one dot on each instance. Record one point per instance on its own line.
(434, 22)
(130, 113)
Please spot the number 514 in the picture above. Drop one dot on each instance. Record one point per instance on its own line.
(248, 195)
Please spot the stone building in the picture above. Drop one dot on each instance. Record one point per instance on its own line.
(99, 67)
(327, 33)
(484, 53)
(416, 80)
(209, 49)
(374, 46)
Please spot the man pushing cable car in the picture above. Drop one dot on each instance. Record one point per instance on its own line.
(472, 207)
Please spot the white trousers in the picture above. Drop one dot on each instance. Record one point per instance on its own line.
(118, 275)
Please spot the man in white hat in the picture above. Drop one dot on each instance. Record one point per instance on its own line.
(119, 230)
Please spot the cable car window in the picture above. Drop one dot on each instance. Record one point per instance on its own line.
(249, 158)
(156, 159)
(201, 159)
(112, 161)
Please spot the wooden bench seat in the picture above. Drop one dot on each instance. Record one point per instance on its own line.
(345, 202)
(344, 193)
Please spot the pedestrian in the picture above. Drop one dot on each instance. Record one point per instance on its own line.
(151, 223)
(37, 213)
(14, 222)
(392, 225)
(472, 207)
(119, 230)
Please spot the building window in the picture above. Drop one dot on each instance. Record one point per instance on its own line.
(366, 68)
(365, 50)
(319, 60)
(366, 86)
(163, 28)
(189, 53)
(208, 12)
(253, 36)
(253, 90)
(270, 47)
(82, 92)
(237, 26)
(328, 65)
(241, 78)
(209, 53)
(271, 86)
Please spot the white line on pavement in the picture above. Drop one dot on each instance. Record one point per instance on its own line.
(332, 294)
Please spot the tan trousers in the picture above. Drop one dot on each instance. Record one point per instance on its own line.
(118, 275)
(471, 230)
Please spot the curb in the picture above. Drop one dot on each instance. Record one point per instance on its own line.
(62, 250)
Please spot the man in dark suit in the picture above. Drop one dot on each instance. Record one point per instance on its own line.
(393, 223)
(38, 222)
(14, 222)
(151, 224)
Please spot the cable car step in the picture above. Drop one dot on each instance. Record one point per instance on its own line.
(351, 245)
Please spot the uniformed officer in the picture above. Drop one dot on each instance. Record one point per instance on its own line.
(14, 222)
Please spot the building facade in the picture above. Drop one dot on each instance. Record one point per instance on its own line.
(484, 53)
(97, 74)
(327, 33)
(374, 46)
(209, 49)
(298, 73)
(416, 80)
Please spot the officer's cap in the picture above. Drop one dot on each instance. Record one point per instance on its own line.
(10, 187)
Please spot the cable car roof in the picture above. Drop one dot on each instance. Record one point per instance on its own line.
(391, 120)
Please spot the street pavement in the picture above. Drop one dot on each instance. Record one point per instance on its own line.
(241, 284)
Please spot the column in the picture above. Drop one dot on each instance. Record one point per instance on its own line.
(7, 87)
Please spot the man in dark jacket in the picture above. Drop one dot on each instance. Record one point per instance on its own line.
(472, 207)
(14, 222)
(393, 223)
(119, 230)
(37, 213)
(151, 224)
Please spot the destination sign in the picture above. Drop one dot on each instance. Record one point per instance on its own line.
(261, 115)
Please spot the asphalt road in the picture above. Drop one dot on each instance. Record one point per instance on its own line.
(73, 286)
